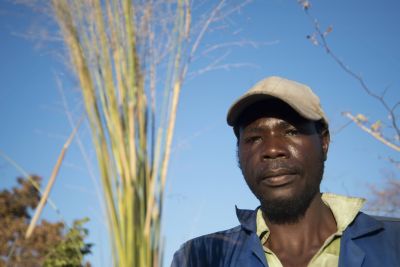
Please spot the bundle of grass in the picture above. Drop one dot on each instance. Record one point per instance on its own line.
(116, 48)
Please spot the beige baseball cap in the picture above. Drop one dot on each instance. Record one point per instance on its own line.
(299, 96)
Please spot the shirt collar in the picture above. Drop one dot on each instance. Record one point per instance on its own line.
(344, 210)
(247, 219)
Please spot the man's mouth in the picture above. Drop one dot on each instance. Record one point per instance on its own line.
(278, 178)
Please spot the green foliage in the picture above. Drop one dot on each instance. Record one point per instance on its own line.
(48, 238)
(71, 251)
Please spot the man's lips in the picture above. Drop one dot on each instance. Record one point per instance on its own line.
(278, 178)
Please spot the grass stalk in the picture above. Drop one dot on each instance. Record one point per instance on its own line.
(111, 44)
(50, 184)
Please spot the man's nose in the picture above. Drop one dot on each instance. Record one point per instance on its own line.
(274, 148)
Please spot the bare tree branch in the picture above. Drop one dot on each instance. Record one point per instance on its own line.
(375, 134)
(319, 38)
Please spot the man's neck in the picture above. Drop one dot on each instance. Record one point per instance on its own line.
(304, 237)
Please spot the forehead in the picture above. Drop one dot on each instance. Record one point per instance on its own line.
(271, 108)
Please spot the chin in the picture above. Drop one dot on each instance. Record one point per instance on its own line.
(287, 208)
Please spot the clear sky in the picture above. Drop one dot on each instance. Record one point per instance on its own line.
(204, 183)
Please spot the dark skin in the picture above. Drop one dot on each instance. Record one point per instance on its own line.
(281, 156)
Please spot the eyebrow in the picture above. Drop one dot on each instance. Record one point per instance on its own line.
(254, 129)
(260, 128)
(280, 124)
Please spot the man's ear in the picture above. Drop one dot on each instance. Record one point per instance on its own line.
(325, 140)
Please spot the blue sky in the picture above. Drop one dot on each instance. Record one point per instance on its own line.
(204, 183)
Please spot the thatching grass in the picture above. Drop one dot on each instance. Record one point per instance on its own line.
(115, 49)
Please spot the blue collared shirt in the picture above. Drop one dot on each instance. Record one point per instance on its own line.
(366, 242)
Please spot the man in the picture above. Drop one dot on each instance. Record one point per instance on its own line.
(283, 139)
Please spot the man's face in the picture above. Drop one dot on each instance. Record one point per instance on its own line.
(281, 156)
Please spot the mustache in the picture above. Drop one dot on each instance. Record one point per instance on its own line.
(276, 168)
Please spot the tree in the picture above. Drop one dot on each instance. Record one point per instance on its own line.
(51, 244)
(385, 130)
(72, 251)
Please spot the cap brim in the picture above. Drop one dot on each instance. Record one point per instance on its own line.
(239, 106)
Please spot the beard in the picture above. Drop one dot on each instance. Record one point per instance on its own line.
(288, 211)
(291, 210)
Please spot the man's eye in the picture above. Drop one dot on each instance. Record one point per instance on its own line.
(292, 132)
(252, 139)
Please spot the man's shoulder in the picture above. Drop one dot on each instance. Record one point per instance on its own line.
(386, 219)
(391, 225)
(372, 239)
(211, 249)
(220, 248)
(246, 219)
(219, 236)
(382, 221)
(381, 227)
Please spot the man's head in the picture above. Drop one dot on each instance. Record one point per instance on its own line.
(283, 140)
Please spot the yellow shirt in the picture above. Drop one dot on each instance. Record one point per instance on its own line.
(344, 209)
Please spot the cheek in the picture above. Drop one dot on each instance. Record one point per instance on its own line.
(313, 153)
(246, 162)
(242, 161)
(294, 150)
